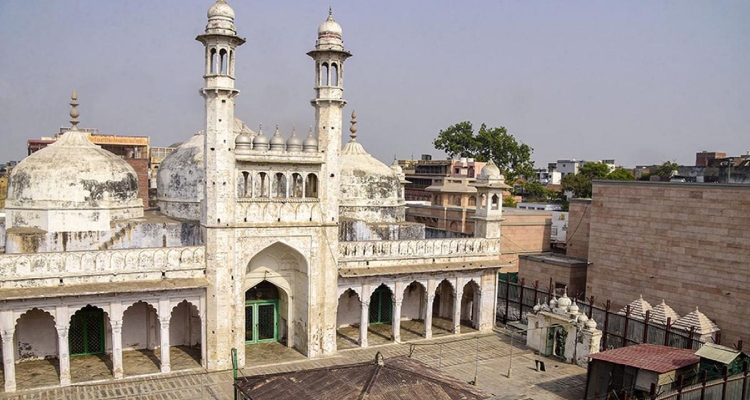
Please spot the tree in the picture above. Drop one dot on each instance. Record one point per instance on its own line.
(594, 170)
(512, 157)
(621, 174)
(580, 184)
(665, 169)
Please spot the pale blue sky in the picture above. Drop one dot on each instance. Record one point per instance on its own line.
(638, 81)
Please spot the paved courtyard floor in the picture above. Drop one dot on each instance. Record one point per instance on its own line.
(484, 358)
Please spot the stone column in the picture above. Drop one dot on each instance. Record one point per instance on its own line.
(117, 368)
(396, 318)
(428, 316)
(63, 355)
(476, 309)
(164, 345)
(457, 312)
(364, 322)
(9, 360)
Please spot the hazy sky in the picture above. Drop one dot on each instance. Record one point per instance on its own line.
(637, 81)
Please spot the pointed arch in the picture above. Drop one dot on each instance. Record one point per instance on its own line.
(334, 74)
(185, 329)
(324, 74)
(35, 335)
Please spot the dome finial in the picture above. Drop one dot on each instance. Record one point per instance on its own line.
(73, 110)
(353, 128)
(330, 13)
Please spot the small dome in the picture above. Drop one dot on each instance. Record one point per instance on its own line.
(582, 319)
(277, 142)
(490, 171)
(294, 143)
(330, 27)
(243, 139)
(573, 309)
(564, 302)
(220, 9)
(591, 324)
(310, 144)
(260, 141)
(553, 303)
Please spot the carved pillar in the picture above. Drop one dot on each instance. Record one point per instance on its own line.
(428, 316)
(164, 345)
(9, 361)
(364, 322)
(63, 355)
(117, 368)
(457, 312)
(396, 318)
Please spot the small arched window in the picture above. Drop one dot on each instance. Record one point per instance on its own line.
(456, 200)
(334, 74)
(472, 201)
(246, 185)
(324, 75)
(214, 62)
(223, 64)
(279, 185)
(231, 63)
(311, 186)
(296, 185)
(495, 202)
(261, 185)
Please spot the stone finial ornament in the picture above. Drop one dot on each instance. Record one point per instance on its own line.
(73, 110)
(353, 128)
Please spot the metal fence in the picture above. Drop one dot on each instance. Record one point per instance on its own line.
(515, 300)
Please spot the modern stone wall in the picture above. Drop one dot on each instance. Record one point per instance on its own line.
(524, 232)
(686, 243)
(566, 271)
(579, 218)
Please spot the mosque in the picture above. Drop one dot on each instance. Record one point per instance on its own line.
(256, 238)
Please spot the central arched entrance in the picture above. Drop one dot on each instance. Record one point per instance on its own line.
(262, 313)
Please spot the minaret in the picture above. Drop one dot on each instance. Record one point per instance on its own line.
(329, 56)
(489, 212)
(217, 208)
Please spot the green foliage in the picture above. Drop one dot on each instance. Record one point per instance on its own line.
(509, 202)
(665, 169)
(512, 157)
(457, 140)
(594, 170)
(645, 177)
(621, 174)
(579, 184)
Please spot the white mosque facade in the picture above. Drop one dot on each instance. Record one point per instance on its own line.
(256, 239)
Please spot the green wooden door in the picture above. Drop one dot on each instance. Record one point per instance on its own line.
(86, 335)
(261, 321)
(381, 306)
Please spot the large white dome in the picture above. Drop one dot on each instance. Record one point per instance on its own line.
(180, 180)
(70, 182)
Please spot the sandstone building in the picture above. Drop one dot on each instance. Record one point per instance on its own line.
(256, 239)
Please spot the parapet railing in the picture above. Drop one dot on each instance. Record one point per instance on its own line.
(54, 269)
(426, 248)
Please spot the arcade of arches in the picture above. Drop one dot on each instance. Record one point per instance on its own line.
(413, 307)
(71, 340)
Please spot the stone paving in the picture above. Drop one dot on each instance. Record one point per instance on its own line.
(377, 334)
(469, 357)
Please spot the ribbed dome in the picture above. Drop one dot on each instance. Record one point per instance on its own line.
(310, 144)
(73, 173)
(277, 141)
(294, 143)
(260, 141)
(180, 180)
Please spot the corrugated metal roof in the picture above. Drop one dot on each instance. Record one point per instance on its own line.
(715, 352)
(394, 378)
(651, 357)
